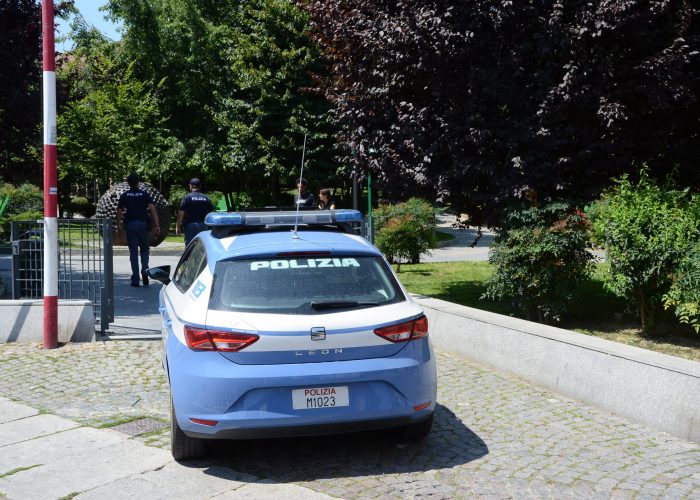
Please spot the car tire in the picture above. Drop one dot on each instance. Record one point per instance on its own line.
(182, 446)
(417, 431)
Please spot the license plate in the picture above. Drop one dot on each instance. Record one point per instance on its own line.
(320, 397)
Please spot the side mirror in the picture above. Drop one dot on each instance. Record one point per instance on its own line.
(160, 273)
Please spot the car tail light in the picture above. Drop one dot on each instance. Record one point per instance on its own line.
(201, 421)
(403, 332)
(419, 407)
(199, 339)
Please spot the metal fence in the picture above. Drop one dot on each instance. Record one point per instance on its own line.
(85, 267)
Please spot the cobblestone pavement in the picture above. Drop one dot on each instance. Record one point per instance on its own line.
(494, 435)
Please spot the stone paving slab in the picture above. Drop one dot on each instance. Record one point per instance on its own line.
(494, 435)
(83, 471)
(55, 447)
(267, 490)
(205, 481)
(33, 427)
(10, 411)
(173, 481)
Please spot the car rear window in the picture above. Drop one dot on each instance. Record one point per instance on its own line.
(308, 285)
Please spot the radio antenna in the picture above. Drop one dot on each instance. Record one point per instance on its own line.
(301, 176)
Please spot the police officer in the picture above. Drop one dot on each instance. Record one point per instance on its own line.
(193, 209)
(137, 203)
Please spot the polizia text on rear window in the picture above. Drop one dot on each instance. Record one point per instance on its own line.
(313, 285)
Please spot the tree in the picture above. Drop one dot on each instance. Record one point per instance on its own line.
(20, 86)
(479, 103)
(233, 75)
(112, 123)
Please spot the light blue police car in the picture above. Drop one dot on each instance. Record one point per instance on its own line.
(289, 324)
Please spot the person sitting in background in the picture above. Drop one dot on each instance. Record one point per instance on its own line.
(325, 200)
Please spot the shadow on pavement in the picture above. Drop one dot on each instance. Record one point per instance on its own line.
(449, 444)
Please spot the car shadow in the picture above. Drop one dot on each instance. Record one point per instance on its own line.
(449, 444)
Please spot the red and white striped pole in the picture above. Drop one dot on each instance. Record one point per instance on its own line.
(50, 184)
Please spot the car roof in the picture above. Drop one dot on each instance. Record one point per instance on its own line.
(272, 242)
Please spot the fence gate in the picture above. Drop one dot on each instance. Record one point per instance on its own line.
(84, 263)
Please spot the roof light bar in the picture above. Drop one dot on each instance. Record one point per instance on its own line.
(286, 218)
(215, 219)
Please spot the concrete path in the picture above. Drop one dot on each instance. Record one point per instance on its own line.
(464, 246)
(49, 457)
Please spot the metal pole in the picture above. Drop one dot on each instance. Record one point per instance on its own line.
(50, 184)
(355, 193)
(369, 208)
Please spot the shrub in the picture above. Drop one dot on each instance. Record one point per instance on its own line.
(539, 256)
(5, 224)
(405, 230)
(26, 201)
(83, 206)
(25, 198)
(646, 231)
(684, 295)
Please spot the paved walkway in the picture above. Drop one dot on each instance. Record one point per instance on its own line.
(464, 246)
(92, 419)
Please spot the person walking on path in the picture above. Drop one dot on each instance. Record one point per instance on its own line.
(194, 208)
(137, 203)
(303, 198)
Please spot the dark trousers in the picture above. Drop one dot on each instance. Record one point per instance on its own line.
(138, 239)
(192, 229)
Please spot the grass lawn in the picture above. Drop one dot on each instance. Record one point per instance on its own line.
(594, 312)
(174, 238)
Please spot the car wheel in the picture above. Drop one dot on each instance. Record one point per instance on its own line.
(182, 446)
(417, 431)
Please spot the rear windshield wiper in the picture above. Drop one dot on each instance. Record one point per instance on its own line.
(337, 304)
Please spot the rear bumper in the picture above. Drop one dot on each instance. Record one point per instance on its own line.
(251, 401)
(307, 430)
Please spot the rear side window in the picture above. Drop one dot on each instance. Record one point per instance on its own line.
(303, 285)
(191, 265)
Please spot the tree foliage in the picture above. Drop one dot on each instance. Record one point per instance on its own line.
(20, 86)
(476, 103)
(112, 123)
(232, 76)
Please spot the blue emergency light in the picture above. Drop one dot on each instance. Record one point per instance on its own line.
(283, 218)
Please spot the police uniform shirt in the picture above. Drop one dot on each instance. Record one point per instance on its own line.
(305, 199)
(196, 206)
(136, 202)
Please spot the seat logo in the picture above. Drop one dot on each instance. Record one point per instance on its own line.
(318, 333)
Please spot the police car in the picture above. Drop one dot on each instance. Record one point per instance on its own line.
(289, 324)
